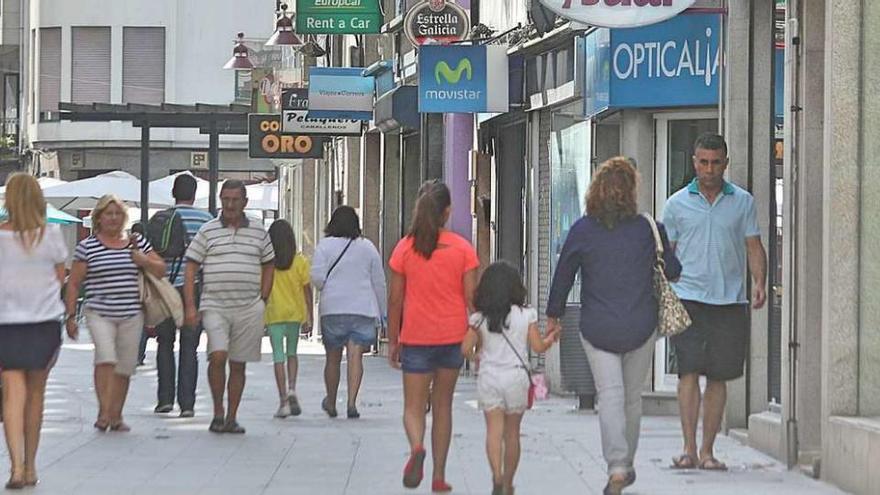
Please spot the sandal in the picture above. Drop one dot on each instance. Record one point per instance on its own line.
(120, 427)
(217, 425)
(329, 409)
(413, 471)
(684, 461)
(615, 486)
(233, 427)
(15, 484)
(101, 425)
(712, 464)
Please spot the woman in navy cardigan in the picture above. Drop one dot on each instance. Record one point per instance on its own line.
(613, 248)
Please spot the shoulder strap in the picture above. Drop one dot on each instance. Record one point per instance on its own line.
(337, 259)
(521, 360)
(657, 241)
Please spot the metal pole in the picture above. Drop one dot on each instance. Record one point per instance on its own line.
(213, 166)
(145, 173)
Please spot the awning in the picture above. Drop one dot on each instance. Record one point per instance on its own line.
(397, 109)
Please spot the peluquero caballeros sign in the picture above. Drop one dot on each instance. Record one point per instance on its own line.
(617, 13)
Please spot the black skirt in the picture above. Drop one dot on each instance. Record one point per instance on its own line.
(29, 346)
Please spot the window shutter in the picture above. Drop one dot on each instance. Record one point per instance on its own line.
(143, 65)
(50, 69)
(91, 65)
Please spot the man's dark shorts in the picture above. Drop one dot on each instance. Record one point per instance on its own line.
(715, 344)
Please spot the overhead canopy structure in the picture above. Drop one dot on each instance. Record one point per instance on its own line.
(212, 120)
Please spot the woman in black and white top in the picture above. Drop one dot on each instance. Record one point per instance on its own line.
(108, 262)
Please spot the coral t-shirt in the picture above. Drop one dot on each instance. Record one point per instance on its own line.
(434, 307)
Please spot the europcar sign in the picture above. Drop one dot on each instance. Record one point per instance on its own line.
(617, 13)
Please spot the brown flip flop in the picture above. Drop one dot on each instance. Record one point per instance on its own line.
(684, 461)
(712, 464)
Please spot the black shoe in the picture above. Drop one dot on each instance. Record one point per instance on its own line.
(329, 409)
(353, 413)
(163, 408)
(217, 425)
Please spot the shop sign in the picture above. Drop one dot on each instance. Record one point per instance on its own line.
(617, 13)
(265, 140)
(340, 93)
(436, 22)
(338, 17)
(463, 79)
(675, 63)
(294, 117)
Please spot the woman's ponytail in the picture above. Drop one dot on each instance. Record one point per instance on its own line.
(434, 199)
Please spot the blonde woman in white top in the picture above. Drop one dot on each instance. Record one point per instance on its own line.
(32, 254)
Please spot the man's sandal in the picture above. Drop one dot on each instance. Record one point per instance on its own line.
(712, 464)
(684, 461)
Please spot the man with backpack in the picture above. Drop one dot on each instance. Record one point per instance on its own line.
(170, 232)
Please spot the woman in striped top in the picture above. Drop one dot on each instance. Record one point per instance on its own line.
(107, 262)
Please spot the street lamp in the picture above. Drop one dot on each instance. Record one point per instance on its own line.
(239, 60)
(284, 35)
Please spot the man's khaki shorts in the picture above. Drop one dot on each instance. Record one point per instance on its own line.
(237, 331)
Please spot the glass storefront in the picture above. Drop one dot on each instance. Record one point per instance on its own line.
(869, 277)
(570, 171)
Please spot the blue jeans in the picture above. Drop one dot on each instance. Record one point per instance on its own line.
(188, 369)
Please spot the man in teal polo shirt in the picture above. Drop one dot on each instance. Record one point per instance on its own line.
(713, 227)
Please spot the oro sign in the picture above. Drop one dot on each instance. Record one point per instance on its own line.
(617, 13)
(266, 141)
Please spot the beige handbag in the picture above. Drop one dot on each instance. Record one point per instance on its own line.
(672, 317)
(160, 300)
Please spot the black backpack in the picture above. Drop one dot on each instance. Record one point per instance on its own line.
(167, 233)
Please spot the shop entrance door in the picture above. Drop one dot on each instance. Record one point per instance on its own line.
(675, 136)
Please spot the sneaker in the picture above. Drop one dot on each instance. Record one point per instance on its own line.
(163, 408)
(293, 403)
(283, 411)
(187, 413)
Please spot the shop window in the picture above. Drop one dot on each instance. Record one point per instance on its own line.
(570, 171)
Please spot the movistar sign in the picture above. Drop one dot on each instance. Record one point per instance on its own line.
(463, 79)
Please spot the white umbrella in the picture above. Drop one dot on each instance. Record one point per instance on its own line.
(84, 193)
(44, 183)
(160, 189)
(262, 196)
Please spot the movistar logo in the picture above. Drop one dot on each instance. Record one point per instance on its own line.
(453, 76)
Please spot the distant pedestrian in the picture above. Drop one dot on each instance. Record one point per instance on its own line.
(192, 219)
(32, 254)
(433, 276)
(236, 261)
(289, 309)
(108, 262)
(713, 226)
(614, 249)
(500, 335)
(348, 272)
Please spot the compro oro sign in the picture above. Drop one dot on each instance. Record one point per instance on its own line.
(617, 13)
(266, 141)
(436, 22)
(338, 17)
(294, 117)
(463, 79)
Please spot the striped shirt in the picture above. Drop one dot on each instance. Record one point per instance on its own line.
(111, 282)
(232, 262)
(193, 219)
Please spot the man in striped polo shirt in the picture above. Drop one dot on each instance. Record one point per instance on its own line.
(184, 192)
(236, 261)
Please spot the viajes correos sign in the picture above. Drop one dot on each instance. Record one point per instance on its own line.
(617, 13)
(436, 22)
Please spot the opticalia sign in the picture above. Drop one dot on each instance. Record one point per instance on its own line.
(436, 22)
(675, 63)
(463, 79)
(617, 13)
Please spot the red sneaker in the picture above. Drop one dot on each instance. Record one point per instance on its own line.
(413, 471)
(440, 486)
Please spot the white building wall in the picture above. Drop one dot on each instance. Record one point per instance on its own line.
(199, 38)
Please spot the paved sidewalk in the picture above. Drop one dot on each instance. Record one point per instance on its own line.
(312, 454)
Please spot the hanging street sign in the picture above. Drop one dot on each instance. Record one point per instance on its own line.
(617, 13)
(463, 79)
(340, 93)
(436, 22)
(266, 141)
(294, 120)
(338, 17)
